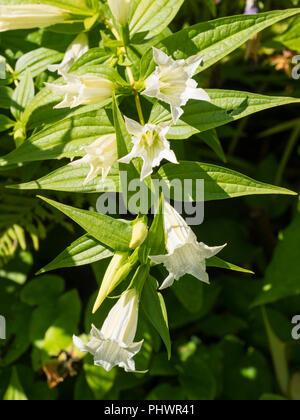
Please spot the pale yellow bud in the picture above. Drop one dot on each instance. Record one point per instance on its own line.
(121, 10)
(139, 234)
(27, 16)
(110, 280)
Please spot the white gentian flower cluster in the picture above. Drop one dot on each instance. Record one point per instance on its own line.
(114, 344)
(185, 254)
(26, 16)
(102, 154)
(172, 83)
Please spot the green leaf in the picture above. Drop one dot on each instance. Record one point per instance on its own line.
(211, 6)
(99, 381)
(155, 242)
(272, 397)
(166, 392)
(2, 67)
(215, 39)
(5, 123)
(64, 138)
(42, 290)
(290, 39)
(219, 183)
(197, 380)
(279, 355)
(189, 292)
(85, 250)
(152, 17)
(212, 140)
(6, 94)
(111, 232)
(103, 71)
(23, 94)
(219, 263)
(15, 391)
(226, 106)
(59, 335)
(70, 178)
(155, 309)
(247, 372)
(94, 56)
(37, 61)
(282, 275)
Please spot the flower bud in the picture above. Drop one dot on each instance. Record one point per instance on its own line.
(27, 16)
(119, 268)
(139, 234)
(120, 10)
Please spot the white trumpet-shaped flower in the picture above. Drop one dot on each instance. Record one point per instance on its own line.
(172, 82)
(185, 254)
(78, 47)
(26, 16)
(114, 344)
(82, 90)
(120, 10)
(150, 144)
(100, 155)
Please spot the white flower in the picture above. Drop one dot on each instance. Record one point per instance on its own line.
(251, 7)
(78, 47)
(114, 344)
(82, 90)
(120, 9)
(28, 16)
(185, 254)
(100, 155)
(172, 82)
(150, 144)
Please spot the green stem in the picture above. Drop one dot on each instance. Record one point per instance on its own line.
(287, 154)
(125, 39)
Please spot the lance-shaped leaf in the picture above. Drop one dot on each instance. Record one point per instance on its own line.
(219, 263)
(155, 309)
(64, 138)
(211, 138)
(22, 95)
(5, 123)
(85, 250)
(156, 240)
(215, 39)
(111, 232)
(151, 17)
(94, 56)
(219, 183)
(38, 61)
(6, 94)
(70, 178)
(226, 106)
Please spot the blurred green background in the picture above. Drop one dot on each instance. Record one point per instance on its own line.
(226, 336)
